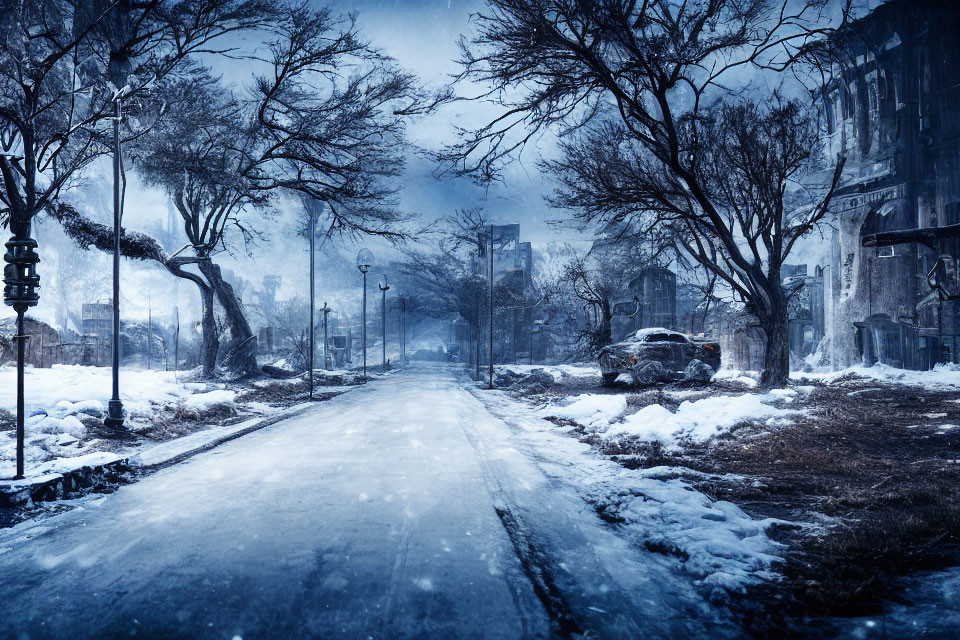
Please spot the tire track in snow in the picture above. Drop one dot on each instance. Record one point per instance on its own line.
(536, 563)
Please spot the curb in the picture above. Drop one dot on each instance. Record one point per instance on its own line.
(239, 430)
(57, 486)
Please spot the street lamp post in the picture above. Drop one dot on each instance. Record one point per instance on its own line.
(119, 69)
(476, 342)
(364, 262)
(384, 287)
(326, 358)
(490, 385)
(21, 282)
(403, 330)
(312, 207)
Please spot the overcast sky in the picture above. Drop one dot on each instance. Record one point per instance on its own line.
(422, 35)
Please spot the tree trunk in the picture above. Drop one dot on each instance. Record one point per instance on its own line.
(776, 364)
(605, 330)
(240, 355)
(210, 341)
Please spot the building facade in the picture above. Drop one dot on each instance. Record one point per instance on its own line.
(892, 110)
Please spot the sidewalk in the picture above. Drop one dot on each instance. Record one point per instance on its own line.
(59, 478)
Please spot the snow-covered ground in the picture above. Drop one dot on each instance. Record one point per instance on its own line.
(588, 409)
(943, 377)
(715, 542)
(699, 420)
(140, 389)
(61, 399)
(404, 509)
(668, 515)
(63, 402)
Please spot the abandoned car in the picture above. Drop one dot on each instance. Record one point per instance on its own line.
(658, 355)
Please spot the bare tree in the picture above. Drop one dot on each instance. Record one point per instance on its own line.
(331, 121)
(328, 123)
(198, 154)
(445, 281)
(647, 74)
(755, 164)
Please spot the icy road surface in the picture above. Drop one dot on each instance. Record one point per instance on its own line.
(399, 510)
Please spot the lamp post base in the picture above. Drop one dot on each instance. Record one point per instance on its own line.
(114, 414)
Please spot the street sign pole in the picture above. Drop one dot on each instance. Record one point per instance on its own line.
(326, 356)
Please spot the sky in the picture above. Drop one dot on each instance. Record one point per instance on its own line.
(422, 35)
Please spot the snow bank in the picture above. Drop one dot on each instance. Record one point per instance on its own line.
(203, 401)
(943, 377)
(66, 465)
(58, 399)
(719, 545)
(747, 378)
(560, 373)
(590, 409)
(700, 420)
(46, 388)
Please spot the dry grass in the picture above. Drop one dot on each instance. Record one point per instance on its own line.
(873, 466)
(876, 464)
(183, 421)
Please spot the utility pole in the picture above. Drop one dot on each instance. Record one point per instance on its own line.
(403, 330)
(384, 287)
(176, 343)
(478, 336)
(149, 331)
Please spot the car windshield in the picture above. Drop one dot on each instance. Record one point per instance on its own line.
(665, 337)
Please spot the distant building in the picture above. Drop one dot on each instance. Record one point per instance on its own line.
(652, 303)
(97, 320)
(40, 347)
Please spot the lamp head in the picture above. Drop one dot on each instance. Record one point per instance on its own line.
(364, 260)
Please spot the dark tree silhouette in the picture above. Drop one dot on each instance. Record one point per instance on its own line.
(328, 123)
(637, 82)
(56, 97)
(443, 282)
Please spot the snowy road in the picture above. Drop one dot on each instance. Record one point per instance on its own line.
(402, 509)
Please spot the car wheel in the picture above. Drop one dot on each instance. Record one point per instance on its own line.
(648, 372)
(607, 379)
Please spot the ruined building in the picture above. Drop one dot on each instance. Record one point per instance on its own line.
(652, 303)
(513, 279)
(892, 109)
